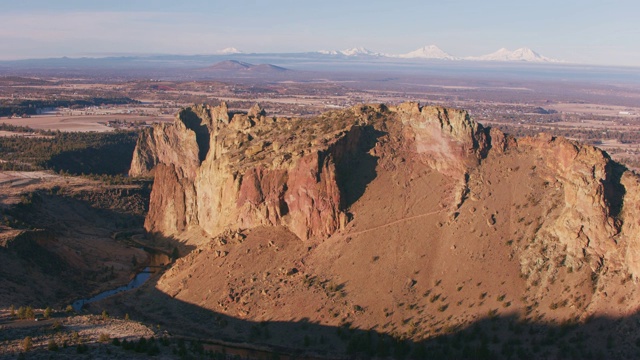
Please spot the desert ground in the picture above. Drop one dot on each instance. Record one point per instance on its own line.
(428, 260)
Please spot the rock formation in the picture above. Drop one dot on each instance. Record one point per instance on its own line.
(215, 170)
(292, 214)
(213, 173)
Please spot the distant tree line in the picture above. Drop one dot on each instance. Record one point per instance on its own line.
(15, 128)
(21, 107)
(592, 136)
(70, 152)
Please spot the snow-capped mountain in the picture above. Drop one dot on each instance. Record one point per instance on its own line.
(434, 52)
(522, 54)
(428, 52)
(229, 51)
(357, 51)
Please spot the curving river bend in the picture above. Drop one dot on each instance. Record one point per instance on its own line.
(157, 261)
(137, 281)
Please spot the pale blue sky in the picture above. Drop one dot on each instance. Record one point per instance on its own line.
(587, 31)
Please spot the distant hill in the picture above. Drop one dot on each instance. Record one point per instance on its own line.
(522, 54)
(353, 52)
(241, 66)
(428, 52)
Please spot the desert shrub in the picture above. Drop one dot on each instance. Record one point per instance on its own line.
(52, 346)
(56, 326)
(104, 338)
(128, 345)
(141, 345)
(27, 344)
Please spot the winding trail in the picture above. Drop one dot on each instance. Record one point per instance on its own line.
(395, 222)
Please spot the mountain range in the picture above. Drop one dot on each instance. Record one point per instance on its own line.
(434, 52)
(241, 66)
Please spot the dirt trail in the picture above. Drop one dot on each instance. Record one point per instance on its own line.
(395, 222)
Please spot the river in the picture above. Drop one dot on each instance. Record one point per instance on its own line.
(137, 281)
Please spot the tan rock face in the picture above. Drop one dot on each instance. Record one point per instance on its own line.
(588, 221)
(253, 172)
(445, 139)
(630, 236)
(406, 212)
(214, 171)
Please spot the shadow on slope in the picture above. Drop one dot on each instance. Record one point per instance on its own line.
(491, 337)
(194, 123)
(614, 191)
(111, 159)
(357, 169)
(58, 252)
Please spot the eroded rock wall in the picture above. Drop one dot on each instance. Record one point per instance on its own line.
(215, 170)
(247, 178)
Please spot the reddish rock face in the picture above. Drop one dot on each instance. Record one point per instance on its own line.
(445, 139)
(214, 172)
(314, 197)
(256, 172)
(246, 179)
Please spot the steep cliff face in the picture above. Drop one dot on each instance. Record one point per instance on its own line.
(214, 170)
(445, 139)
(588, 221)
(454, 221)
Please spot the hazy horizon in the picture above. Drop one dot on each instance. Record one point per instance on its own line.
(585, 32)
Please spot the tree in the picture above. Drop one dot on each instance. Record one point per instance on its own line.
(47, 313)
(105, 315)
(27, 344)
(21, 312)
(12, 311)
(29, 314)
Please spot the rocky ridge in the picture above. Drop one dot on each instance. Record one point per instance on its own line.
(216, 170)
(293, 214)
